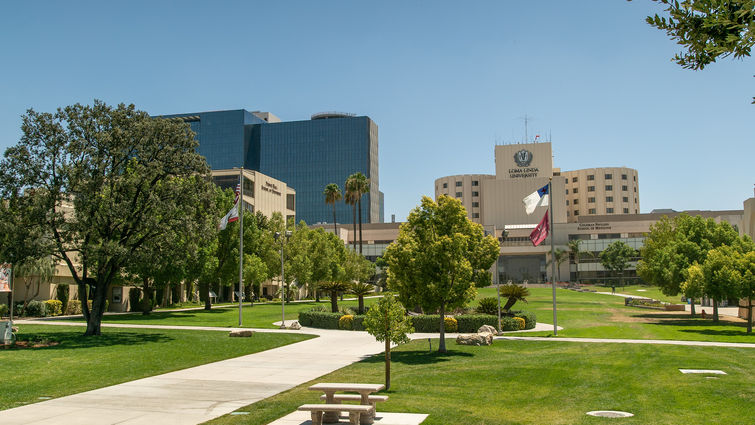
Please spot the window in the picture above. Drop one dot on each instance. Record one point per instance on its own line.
(609, 210)
(475, 204)
(576, 201)
(635, 189)
(445, 185)
(635, 211)
(626, 210)
(591, 188)
(575, 190)
(623, 176)
(458, 184)
(475, 193)
(634, 178)
(573, 179)
(475, 182)
(591, 211)
(591, 200)
(566, 180)
(624, 188)
(609, 198)
(475, 215)
(567, 191)
(624, 199)
(635, 200)
(576, 212)
(591, 177)
(609, 176)
(609, 187)
(458, 194)
(567, 213)
(567, 202)
(290, 201)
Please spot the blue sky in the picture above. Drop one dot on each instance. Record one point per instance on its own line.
(444, 81)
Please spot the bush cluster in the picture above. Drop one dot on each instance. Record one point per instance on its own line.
(521, 322)
(346, 322)
(470, 323)
(4, 310)
(530, 320)
(35, 309)
(488, 305)
(451, 324)
(53, 307)
(73, 307)
(319, 319)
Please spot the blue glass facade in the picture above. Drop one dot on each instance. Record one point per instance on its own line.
(306, 155)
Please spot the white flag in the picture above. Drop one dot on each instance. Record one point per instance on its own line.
(538, 198)
(233, 215)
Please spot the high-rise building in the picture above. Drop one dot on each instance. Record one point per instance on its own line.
(306, 155)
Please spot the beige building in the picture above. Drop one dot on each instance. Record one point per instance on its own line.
(261, 193)
(601, 191)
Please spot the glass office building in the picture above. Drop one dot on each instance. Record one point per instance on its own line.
(306, 155)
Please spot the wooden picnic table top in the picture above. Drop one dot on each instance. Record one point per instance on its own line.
(328, 386)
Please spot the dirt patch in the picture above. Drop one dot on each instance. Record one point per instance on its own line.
(657, 316)
(20, 345)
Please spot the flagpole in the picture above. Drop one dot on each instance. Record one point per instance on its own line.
(553, 256)
(241, 241)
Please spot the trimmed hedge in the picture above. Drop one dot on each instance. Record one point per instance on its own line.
(530, 320)
(470, 323)
(319, 319)
(73, 307)
(54, 307)
(426, 323)
(35, 309)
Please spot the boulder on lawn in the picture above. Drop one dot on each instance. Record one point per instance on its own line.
(241, 333)
(294, 326)
(475, 339)
(487, 329)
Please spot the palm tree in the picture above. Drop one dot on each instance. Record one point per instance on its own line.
(575, 251)
(334, 288)
(332, 195)
(514, 293)
(359, 186)
(561, 256)
(352, 199)
(361, 289)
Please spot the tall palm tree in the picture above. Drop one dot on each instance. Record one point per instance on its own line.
(561, 256)
(332, 195)
(351, 199)
(359, 186)
(575, 251)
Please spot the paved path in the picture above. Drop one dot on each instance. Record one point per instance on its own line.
(201, 393)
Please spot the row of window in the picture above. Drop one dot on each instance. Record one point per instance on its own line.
(624, 188)
(607, 176)
(608, 199)
(458, 184)
(594, 211)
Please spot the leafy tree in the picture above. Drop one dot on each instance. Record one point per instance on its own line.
(105, 177)
(332, 195)
(513, 293)
(33, 273)
(694, 286)
(708, 29)
(255, 272)
(616, 258)
(432, 261)
(673, 245)
(722, 275)
(747, 282)
(387, 321)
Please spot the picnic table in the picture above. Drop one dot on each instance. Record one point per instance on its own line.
(364, 390)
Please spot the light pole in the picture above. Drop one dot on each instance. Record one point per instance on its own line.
(283, 279)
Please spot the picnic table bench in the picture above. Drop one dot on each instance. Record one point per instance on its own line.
(355, 412)
(364, 390)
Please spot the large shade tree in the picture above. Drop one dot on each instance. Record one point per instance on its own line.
(616, 259)
(105, 178)
(432, 262)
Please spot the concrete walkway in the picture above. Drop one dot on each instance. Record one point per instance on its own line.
(201, 393)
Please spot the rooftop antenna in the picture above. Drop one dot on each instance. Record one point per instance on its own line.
(526, 128)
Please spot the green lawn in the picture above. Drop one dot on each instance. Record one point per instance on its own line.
(81, 363)
(589, 315)
(259, 316)
(529, 382)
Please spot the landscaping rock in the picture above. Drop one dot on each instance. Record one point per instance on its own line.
(245, 333)
(294, 326)
(488, 329)
(475, 339)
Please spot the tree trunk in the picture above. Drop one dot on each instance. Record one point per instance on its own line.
(148, 294)
(749, 315)
(204, 292)
(715, 310)
(692, 306)
(387, 364)
(361, 304)
(334, 302)
(98, 309)
(442, 345)
(166, 295)
(83, 297)
(360, 223)
(354, 219)
(335, 226)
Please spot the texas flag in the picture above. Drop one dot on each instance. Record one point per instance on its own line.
(538, 198)
(541, 231)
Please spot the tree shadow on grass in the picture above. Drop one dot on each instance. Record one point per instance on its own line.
(418, 357)
(682, 320)
(718, 332)
(76, 340)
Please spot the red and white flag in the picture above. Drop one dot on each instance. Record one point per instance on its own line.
(541, 231)
(233, 214)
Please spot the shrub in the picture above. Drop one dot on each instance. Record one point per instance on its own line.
(73, 307)
(61, 293)
(321, 308)
(359, 322)
(53, 307)
(509, 324)
(35, 308)
(426, 323)
(470, 323)
(89, 304)
(347, 310)
(346, 322)
(521, 322)
(4, 310)
(318, 319)
(530, 320)
(451, 325)
(488, 305)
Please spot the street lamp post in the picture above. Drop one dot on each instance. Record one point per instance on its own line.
(283, 280)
